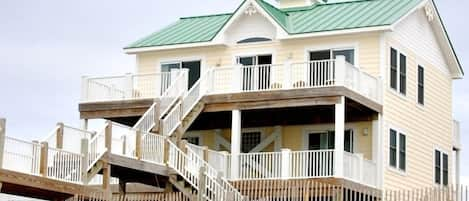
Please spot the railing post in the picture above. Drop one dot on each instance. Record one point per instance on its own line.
(108, 136)
(237, 78)
(2, 140)
(205, 153)
(124, 144)
(202, 188)
(44, 159)
(138, 144)
(287, 81)
(84, 164)
(166, 152)
(286, 163)
(84, 88)
(185, 81)
(156, 117)
(59, 141)
(340, 69)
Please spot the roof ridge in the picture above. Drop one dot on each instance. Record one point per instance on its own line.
(209, 15)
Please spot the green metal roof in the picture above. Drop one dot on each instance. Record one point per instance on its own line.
(309, 19)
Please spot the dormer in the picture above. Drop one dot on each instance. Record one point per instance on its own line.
(297, 3)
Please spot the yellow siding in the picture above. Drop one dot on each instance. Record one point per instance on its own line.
(426, 127)
(367, 50)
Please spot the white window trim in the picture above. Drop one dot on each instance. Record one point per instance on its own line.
(417, 85)
(436, 148)
(252, 130)
(335, 46)
(397, 91)
(179, 60)
(398, 133)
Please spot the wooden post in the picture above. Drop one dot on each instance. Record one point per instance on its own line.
(84, 164)
(166, 151)
(157, 117)
(59, 140)
(205, 151)
(44, 159)
(202, 188)
(108, 136)
(106, 181)
(124, 144)
(2, 140)
(183, 145)
(138, 144)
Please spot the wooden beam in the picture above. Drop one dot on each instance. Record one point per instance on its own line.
(266, 142)
(266, 104)
(134, 164)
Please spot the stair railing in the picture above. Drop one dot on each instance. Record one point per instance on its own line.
(148, 120)
(96, 148)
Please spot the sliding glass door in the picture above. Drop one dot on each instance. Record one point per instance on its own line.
(256, 72)
(194, 71)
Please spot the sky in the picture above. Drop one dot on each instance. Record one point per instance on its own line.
(47, 45)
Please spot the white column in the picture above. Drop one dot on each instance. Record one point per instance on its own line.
(339, 137)
(377, 148)
(235, 142)
(457, 169)
(84, 124)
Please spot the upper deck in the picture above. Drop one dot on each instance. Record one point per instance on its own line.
(257, 86)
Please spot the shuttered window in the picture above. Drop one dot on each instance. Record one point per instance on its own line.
(398, 71)
(437, 167)
(397, 150)
(441, 168)
(420, 85)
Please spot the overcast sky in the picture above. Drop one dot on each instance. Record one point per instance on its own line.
(46, 45)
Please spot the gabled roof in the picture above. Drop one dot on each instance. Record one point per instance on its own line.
(317, 18)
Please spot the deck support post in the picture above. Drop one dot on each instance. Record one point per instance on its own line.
(202, 188)
(235, 142)
(339, 138)
(108, 136)
(84, 124)
(84, 165)
(2, 140)
(377, 154)
(44, 159)
(286, 163)
(59, 137)
(106, 181)
(138, 144)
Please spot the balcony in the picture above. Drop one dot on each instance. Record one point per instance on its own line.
(324, 78)
(288, 165)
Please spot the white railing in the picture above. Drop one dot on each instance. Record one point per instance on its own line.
(152, 148)
(174, 92)
(129, 86)
(308, 164)
(178, 161)
(123, 140)
(72, 137)
(359, 169)
(198, 90)
(311, 74)
(65, 166)
(21, 156)
(221, 161)
(266, 165)
(172, 120)
(148, 119)
(96, 147)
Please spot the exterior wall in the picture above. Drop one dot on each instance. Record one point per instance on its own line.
(426, 127)
(294, 137)
(367, 52)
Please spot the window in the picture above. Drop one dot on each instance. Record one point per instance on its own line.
(398, 71)
(397, 150)
(441, 168)
(255, 78)
(193, 66)
(249, 140)
(254, 40)
(420, 86)
(349, 55)
(326, 140)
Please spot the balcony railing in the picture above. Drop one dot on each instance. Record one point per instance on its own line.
(289, 165)
(234, 79)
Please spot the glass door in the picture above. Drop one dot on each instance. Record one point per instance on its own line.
(256, 72)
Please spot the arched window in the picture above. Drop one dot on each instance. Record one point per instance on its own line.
(254, 40)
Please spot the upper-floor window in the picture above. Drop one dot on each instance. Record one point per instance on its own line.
(349, 55)
(249, 140)
(398, 71)
(192, 65)
(420, 85)
(254, 40)
(397, 150)
(441, 168)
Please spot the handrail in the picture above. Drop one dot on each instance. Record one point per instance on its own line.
(147, 121)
